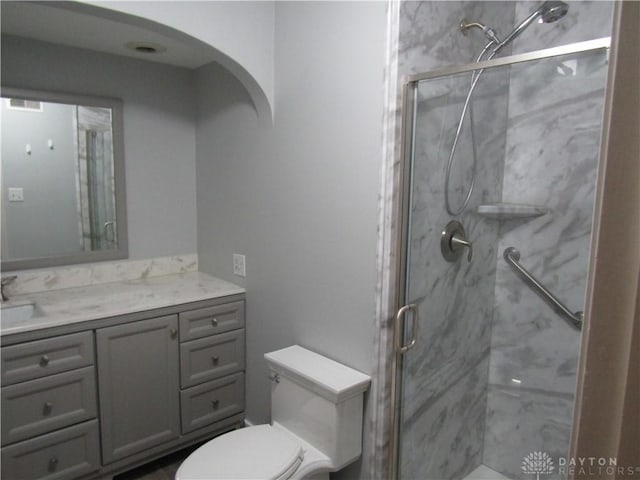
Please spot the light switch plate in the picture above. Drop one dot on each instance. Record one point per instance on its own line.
(16, 194)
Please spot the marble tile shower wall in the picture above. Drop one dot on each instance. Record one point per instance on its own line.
(551, 159)
(460, 407)
(447, 372)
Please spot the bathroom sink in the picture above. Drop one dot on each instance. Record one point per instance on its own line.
(19, 313)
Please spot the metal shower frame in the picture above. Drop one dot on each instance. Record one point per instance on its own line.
(409, 104)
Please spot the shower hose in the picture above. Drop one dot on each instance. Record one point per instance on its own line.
(475, 76)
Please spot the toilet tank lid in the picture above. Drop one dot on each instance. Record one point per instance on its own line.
(331, 379)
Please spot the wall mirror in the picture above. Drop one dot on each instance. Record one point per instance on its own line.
(63, 185)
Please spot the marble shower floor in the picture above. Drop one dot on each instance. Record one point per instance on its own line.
(485, 473)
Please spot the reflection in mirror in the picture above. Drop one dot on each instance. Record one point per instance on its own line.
(62, 180)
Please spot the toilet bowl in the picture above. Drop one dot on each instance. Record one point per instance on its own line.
(316, 425)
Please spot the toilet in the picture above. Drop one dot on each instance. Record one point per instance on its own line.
(316, 425)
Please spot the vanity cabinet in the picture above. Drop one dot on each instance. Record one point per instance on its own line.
(91, 404)
(138, 385)
(49, 409)
(212, 363)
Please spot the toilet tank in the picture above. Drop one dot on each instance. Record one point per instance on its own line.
(319, 400)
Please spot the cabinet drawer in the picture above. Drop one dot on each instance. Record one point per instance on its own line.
(211, 320)
(46, 404)
(65, 454)
(211, 357)
(212, 401)
(31, 360)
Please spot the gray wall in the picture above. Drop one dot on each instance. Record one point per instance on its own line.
(47, 221)
(299, 199)
(159, 123)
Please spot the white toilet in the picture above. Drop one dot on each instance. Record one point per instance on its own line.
(316, 425)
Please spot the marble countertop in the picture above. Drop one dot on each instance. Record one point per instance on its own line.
(81, 304)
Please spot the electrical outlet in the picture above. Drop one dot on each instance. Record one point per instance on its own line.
(16, 194)
(239, 265)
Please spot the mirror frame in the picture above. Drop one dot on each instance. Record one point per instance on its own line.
(122, 250)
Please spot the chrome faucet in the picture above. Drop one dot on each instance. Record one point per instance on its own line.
(4, 282)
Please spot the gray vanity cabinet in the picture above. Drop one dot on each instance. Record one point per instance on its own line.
(49, 430)
(212, 361)
(92, 400)
(138, 386)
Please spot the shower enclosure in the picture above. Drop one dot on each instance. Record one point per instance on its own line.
(95, 177)
(487, 343)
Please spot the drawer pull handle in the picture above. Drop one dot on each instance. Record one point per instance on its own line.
(44, 360)
(47, 408)
(215, 404)
(215, 359)
(53, 463)
(173, 332)
(214, 322)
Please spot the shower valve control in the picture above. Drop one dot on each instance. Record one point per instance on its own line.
(453, 242)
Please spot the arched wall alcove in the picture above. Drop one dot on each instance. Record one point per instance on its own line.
(236, 35)
(240, 35)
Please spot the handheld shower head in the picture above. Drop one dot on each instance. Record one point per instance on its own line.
(553, 11)
(550, 11)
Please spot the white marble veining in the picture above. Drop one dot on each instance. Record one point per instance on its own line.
(553, 134)
(443, 437)
(446, 374)
(80, 304)
(457, 301)
(377, 448)
(520, 422)
(86, 274)
(585, 20)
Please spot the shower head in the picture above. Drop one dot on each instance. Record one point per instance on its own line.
(550, 11)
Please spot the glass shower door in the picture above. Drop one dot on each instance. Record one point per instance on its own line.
(96, 181)
(491, 378)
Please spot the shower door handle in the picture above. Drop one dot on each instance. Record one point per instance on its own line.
(109, 227)
(399, 328)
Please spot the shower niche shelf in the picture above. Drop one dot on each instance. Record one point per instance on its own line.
(511, 211)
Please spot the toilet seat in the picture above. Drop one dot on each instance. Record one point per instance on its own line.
(260, 452)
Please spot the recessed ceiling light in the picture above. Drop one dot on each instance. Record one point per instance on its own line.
(145, 47)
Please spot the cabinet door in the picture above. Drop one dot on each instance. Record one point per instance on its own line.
(138, 386)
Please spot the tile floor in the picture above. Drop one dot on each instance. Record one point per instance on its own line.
(164, 468)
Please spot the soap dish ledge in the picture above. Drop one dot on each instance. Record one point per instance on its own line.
(511, 211)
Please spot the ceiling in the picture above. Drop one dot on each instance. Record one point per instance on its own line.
(78, 25)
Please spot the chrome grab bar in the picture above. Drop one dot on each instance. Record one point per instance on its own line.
(399, 332)
(511, 256)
